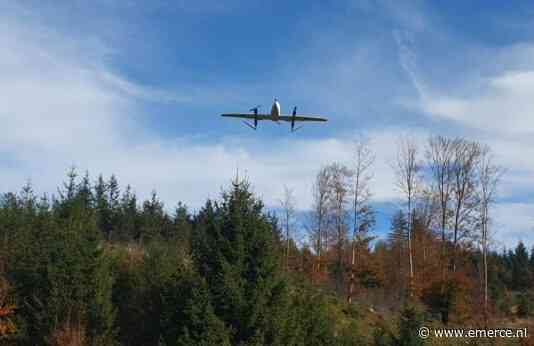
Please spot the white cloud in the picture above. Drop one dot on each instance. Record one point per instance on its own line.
(503, 106)
(60, 109)
(143, 92)
(63, 104)
(513, 222)
(498, 100)
(491, 103)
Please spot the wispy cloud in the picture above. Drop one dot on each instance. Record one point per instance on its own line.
(61, 110)
(491, 104)
(142, 92)
(513, 222)
(64, 102)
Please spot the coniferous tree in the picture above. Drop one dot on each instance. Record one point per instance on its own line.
(84, 194)
(188, 317)
(129, 216)
(411, 319)
(66, 195)
(234, 252)
(152, 219)
(182, 229)
(397, 265)
(102, 206)
(520, 268)
(113, 202)
(61, 273)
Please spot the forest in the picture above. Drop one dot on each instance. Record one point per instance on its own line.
(93, 265)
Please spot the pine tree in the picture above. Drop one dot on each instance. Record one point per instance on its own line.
(411, 320)
(66, 195)
(129, 216)
(84, 193)
(399, 230)
(28, 199)
(182, 226)
(397, 263)
(188, 317)
(60, 269)
(152, 219)
(520, 268)
(113, 203)
(101, 205)
(235, 253)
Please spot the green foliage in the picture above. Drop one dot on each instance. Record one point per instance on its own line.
(58, 267)
(411, 319)
(142, 274)
(121, 272)
(525, 304)
(399, 230)
(234, 252)
(188, 318)
(309, 321)
(521, 275)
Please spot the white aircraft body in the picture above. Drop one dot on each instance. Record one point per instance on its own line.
(275, 116)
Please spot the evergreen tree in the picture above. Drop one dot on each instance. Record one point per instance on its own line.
(397, 264)
(399, 230)
(182, 226)
(153, 219)
(84, 193)
(188, 317)
(234, 252)
(145, 276)
(60, 271)
(129, 216)
(113, 202)
(525, 304)
(28, 199)
(411, 320)
(520, 268)
(102, 206)
(62, 205)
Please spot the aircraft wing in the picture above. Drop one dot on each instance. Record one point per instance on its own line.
(248, 116)
(301, 118)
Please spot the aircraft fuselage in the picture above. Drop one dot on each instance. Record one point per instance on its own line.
(275, 110)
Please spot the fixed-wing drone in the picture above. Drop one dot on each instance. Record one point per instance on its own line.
(275, 116)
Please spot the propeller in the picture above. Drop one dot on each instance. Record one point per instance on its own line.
(255, 110)
(293, 129)
(251, 126)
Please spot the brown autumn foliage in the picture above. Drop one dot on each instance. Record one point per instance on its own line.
(7, 310)
(382, 276)
(529, 341)
(69, 334)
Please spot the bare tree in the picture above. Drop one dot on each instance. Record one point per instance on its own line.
(321, 198)
(339, 199)
(488, 176)
(363, 214)
(425, 211)
(440, 155)
(466, 156)
(407, 171)
(287, 204)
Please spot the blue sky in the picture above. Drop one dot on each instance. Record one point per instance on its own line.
(135, 88)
